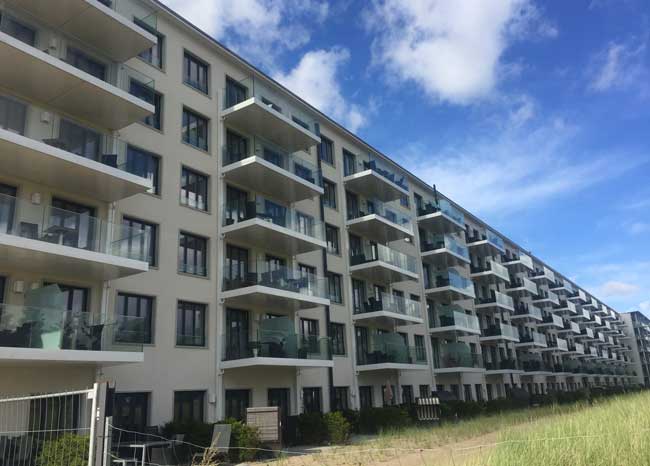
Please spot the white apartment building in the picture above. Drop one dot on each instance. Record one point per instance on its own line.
(173, 220)
(637, 335)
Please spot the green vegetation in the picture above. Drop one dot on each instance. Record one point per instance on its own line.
(68, 449)
(612, 432)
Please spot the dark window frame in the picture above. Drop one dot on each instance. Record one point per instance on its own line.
(326, 151)
(147, 313)
(152, 229)
(192, 396)
(202, 82)
(337, 337)
(332, 279)
(196, 309)
(336, 241)
(183, 266)
(148, 55)
(148, 162)
(329, 195)
(201, 139)
(200, 182)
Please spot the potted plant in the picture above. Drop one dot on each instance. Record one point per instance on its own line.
(255, 347)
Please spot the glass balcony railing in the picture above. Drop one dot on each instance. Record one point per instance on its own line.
(587, 332)
(524, 309)
(498, 298)
(431, 206)
(371, 252)
(272, 212)
(22, 218)
(492, 266)
(57, 329)
(276, 338)
(554, 319)
(502, 365)
(291, 162)
(504, 330)
(525, 259)
(523, 282)
(489, 236)
(532, 337)
(390, 212)
(458, 355)
(368, 162)
(272, 275)
(453, 279)
(389, 348)
(449, 316)
(253, 87)
(388, 302)
(535, 365)
(429, 242)
(561, 344)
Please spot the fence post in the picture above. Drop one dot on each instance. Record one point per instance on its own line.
(97, 426)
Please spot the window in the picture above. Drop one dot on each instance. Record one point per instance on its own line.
(75, 298)
(420, 350)
(237, 402)
(12, 115)
(144, 92)
(154, 55)
(83, 62)
(81, 141)
(18, 30)
(236, 148)
(134, 318)
(332, 238)
(300, 122)
(81, 230)
(194, 189)
(407, 394)
(236, 268)
(424, 391)
(337, 335)
(192, 254)
(131, 411)
(349, 163)
(467, 388)
(326, 150)
(145, 164)
(195, 130)
(190, 324)
(142, 245)
(195, 72)
(329, 198)
(479, 391)
(365, 397)
(309, 328)
(235, 92)
(358, 295)
(189, 406)
(334, 287)
(311, 399)
(404, 201)
(340, 399)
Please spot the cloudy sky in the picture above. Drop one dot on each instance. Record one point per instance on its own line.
(533, 115)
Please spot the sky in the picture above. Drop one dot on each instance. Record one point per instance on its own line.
(534, 116)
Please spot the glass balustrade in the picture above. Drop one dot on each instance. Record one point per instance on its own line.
(387, 302)
(389, 348)
(368, 251)
(390, 212)
(458, 355)
(431, 206)
(504, 330)
(452, 315)
(364, 162)
(431, 242)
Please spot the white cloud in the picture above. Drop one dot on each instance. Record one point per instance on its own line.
(615, 288)
(315, 79)
(257, 29)
(643, 306)
(637, 228)
(513, 170)
(620, 66)
(452, 49)
(524, 110)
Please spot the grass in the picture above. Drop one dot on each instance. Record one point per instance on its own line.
(612, 432)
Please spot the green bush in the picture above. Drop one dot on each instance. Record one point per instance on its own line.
(375, 420)
(456, 409)
(338, 428)
(244, 441)
(69, 449)
(312, 429)
(352, 416)
(195, 433)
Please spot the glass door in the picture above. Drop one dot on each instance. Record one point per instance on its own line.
(236, 205)
(237, 334)
(352, 204)
(236, 147)
(71, 224)
(280, 397)
(236, 269)
(362, 345)
(7, 208)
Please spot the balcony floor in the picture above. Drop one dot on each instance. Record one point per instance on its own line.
(444, 258)
(449, 293)
(392, 366)
(382, 272)
(275, 362)
(457, 370)
(451, 329)
(264, 297)
(440, 223)
(377, 228)
(387, 318)
(41, 163)
(27, 356)
(17, 253)
(371, 184)
(262, 176)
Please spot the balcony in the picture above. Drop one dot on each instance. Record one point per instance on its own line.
(498, 301)
(560, 345)
(582, 315)
(30, 334)
(551, 320)
(594, 321)
(287, 177)
(49, 157)
(35, 237)
(488, 244)
(373, 178)
(505, 366)
(390, 309)
(490, 272)
(546, 298)
(524, 311)
(453, 319)
(439, 216)
(536, 365)
(381, 222)
(458, 358)
(566, 307)
(570, 328)
(388, 351)
(443, 250)
(591, 304)
(381, 264)
(274, 287)
(253, 106)
(500, 333)
(449, 286)
(587, 335)
(95, 23)
(67, 89)
(521, 287)
(276, 345)
(265, 224)
(543, 275)
(518, 263)
(578, 296)
(531, 340)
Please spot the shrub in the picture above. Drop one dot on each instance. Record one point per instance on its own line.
(244, 439)
(68, 449)
(195, 433)
(338, 428)
(374, 420)
(461, 409)
(352, 416)
(312, 429)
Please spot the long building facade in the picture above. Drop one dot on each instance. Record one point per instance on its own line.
(175, 221)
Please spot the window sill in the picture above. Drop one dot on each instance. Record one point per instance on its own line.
(205, 151)
(197, 90)
(192, 275)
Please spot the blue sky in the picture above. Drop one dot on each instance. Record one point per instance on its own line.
(533, 115)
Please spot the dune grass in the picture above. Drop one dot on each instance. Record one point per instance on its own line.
(613, 431)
